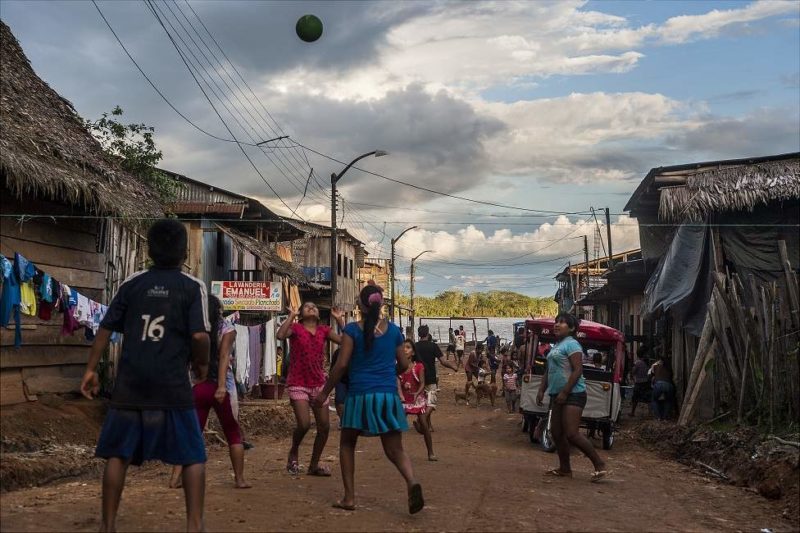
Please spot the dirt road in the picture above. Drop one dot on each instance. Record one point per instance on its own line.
(488, 478)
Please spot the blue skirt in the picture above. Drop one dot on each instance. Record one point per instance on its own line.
(374, 413)
(172, 436)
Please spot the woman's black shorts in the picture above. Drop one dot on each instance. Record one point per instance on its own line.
(577, 399)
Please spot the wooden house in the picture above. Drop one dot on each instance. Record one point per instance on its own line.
(67, 207)
(579, 279)
(233, 237)
(724, 238)
(313, 254)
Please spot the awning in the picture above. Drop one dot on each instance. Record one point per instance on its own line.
(267, 255)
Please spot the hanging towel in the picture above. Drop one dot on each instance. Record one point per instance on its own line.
(270, 353)
(242, 353)
(27, 303)
(256, 352)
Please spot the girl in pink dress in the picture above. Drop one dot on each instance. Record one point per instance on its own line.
(411, 387)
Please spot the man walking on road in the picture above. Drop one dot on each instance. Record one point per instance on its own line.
(427, 354)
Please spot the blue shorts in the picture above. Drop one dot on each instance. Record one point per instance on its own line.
(172, 436)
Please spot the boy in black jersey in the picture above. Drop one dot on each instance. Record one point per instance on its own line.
(163, 314)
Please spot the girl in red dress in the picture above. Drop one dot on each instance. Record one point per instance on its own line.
(411, 387)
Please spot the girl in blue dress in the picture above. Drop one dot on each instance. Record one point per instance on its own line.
(372, 355)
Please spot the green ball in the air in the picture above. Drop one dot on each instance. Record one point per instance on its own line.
(309, 28)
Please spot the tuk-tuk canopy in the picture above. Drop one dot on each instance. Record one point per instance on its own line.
(588, 330)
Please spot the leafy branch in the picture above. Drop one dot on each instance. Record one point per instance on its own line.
(133, 145)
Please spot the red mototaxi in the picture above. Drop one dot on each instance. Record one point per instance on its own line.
(604, 400)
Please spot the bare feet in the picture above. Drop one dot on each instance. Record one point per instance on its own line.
(242, 484)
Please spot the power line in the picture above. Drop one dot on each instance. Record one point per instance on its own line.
(238, 144)
(220, 93)
(437, 211)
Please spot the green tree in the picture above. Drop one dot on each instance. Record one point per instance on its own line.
(133, 145)
(492, 303)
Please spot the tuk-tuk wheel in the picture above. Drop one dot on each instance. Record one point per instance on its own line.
(608, 436)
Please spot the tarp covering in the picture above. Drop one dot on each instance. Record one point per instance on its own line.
(749, 240)
(682, 280)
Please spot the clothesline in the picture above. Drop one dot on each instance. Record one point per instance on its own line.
(28, 290)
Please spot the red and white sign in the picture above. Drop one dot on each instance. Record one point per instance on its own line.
(248, 295)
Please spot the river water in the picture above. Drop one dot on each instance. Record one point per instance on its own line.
(504, 327)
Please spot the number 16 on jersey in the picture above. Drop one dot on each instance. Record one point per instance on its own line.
(152, 330)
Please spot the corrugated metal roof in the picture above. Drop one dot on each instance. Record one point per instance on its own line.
(184, 208)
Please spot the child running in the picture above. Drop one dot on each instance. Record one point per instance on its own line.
(305, 380)
(212, 393)
(163, 314)
(411, 387)
(373, 350)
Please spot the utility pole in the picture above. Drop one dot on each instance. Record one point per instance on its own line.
(334, 233)
(334, 238)
(413, 318)
(608, 233)
(391, 271)
(586, 258)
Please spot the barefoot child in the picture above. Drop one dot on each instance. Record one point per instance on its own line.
(305, 379)
(212, 393)
(411, 387)
(372, 349)
(163, 314)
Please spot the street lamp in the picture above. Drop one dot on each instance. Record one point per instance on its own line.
(413, 312)
(334, 233)
(394, 241)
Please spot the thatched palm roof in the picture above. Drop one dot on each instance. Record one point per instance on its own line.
(730, 188)
(45, 151)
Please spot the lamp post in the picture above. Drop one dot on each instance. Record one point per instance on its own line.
(413, 312)
(334, 233)
(394, 297)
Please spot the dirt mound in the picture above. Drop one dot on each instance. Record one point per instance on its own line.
(268, 418)
(53, 439)
(48, 440)
(740, 456)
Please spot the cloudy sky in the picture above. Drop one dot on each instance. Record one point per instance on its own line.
(554, 107)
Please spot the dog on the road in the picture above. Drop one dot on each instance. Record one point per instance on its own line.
(485, 390)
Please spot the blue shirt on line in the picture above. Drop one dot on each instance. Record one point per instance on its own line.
(373, 371)
(559, 367)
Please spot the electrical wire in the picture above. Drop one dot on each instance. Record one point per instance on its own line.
(244, 152)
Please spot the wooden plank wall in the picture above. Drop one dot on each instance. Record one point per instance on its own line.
(91, 255)
(67, 250)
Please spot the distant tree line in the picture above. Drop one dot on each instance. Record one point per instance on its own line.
(492, 303)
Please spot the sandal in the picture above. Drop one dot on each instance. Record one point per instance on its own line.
(557, 473)
(293, 467)
(600, 474)
(344, 507)
(415, 500)
(320, 470)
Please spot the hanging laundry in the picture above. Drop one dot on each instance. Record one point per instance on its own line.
(242, 353)
(270, 367)
(10, 298)
(45, 310)
(25, 270)
(69, 301)
(255, 355)
(27, 303)
(46, 289)
(83, 310)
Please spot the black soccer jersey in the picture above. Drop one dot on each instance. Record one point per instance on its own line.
(157, 310)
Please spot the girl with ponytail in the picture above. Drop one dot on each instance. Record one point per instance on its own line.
(372, 348)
